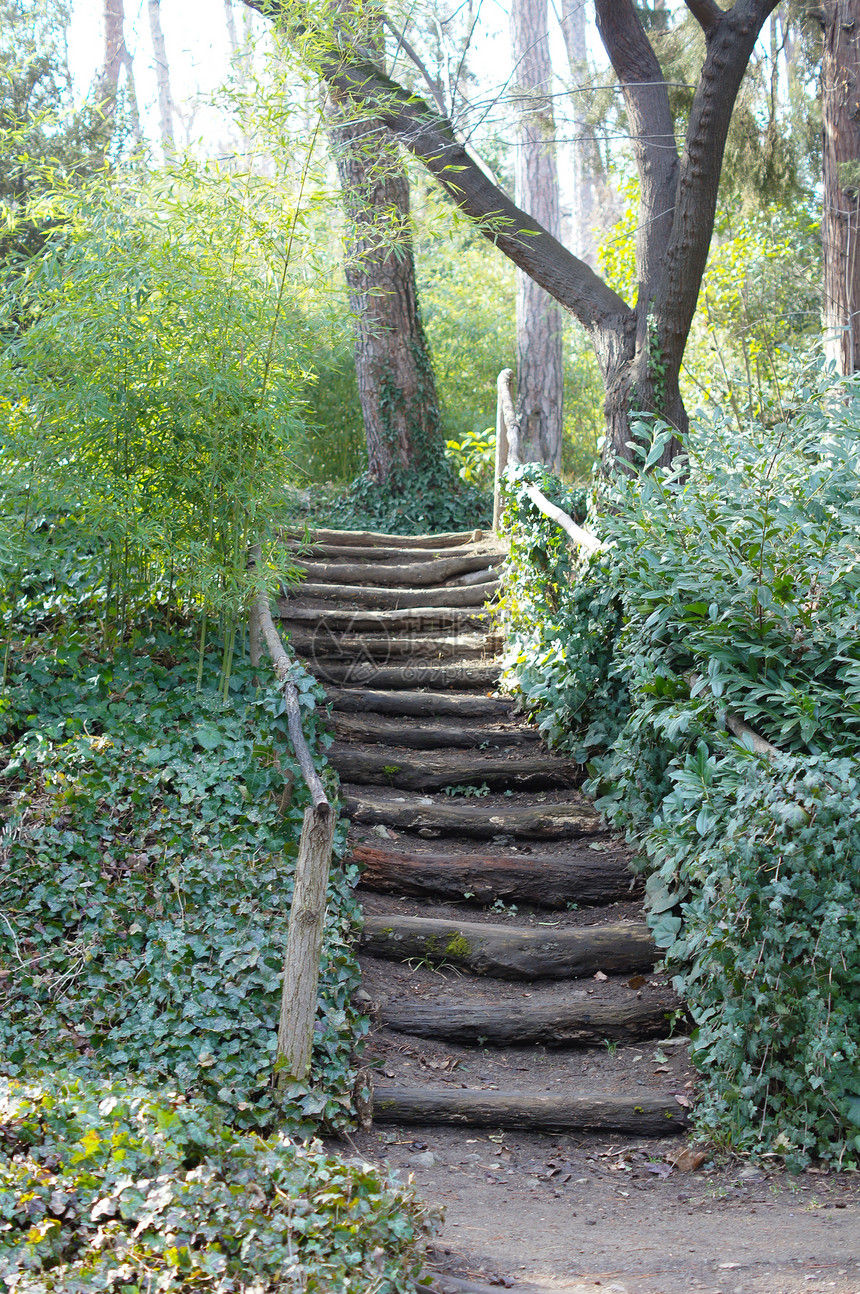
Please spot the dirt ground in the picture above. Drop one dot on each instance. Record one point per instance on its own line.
(597, 1215)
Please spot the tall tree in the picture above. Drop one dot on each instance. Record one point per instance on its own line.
(540, 340)
(117, 58)
(588, 181)
(162, 73)
(639, 346)
(840, 223)
(396, 387)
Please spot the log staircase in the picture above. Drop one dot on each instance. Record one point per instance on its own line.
(504, 954)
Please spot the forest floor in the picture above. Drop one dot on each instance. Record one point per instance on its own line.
(585, 1214)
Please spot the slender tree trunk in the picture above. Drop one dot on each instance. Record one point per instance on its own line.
(840, 224)
(392, 363)
(584, 156)
(540, 338)
(116, 59)
(162, 73)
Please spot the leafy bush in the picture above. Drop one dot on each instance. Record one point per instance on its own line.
(426, 500)
(106, 1186)
(740, 588)
(562, 615)
(146, 868)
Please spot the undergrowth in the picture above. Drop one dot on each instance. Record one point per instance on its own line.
(424, 500)
(729, 591)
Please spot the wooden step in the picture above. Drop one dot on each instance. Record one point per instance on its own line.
(643, 1114)
(424, 734)
(582, 876)
(395, 553)
(464, 705)
(348, 620)
(573, 1019)
(374, 539)
(379, 597)
(408, 676)
(412, 575)
(390, 766)
(414, 813)
(511, 951)
(383, 647)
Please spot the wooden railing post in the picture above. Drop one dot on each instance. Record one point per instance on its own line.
(310, 891)
(507, 439)
(501, 464)
(304, 944)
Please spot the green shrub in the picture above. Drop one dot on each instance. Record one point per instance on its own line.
(107, 1186)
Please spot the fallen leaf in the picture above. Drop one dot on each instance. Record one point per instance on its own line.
(659, 1170)
(683, 1100)
(688, 1159)
(600, 977)
(636, 981)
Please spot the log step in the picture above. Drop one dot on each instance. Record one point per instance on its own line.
(395, 553)
(374, 538)
(512, 952)
(408, 676)
(382, 647)
(347, 620)
(584, 876)
(574, 1019)
(416, 813)
(420, 734)
(645, 1114)
(408, 771)
(411, 575)
(375, 596)
(464, 705)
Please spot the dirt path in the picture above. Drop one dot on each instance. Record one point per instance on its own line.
(528, 1068)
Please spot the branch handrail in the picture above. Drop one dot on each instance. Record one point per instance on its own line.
(508, 452)
(299, 988)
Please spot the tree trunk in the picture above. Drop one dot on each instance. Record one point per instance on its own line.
(540, 339)
(117, 58)
(584, 156)
(392, 362)
(840, 223)
(162, 73)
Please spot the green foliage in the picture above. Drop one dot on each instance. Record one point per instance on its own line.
(426, 500)
(106, 1186)
(561, 614)
(766, 858)
(147, 871)
(730, 589)
(474, 457)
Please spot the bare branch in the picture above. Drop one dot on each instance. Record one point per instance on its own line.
(412, 53)
(707, 13)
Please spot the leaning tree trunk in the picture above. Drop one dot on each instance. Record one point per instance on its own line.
(840, 220)
(584, 154)
(392, 362)
(540, 338)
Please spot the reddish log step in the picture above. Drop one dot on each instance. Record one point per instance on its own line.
(415, 813)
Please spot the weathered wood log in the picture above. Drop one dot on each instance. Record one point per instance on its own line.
(373, 538)
(382, 647)
(512, 952)
(577, 1021)
(582, 876)
(583, 538)
(412, 813)
(373, 553)
(379, 766)
(476, 577)
(463, 705)
(421, 734)
(377, 596)
(348, 620)
(407, 676)
(645, 1114)
(409, 576)
(304, 944)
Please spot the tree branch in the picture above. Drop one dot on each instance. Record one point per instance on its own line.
(431, 139)
(652, 129)
(730, 45)
(707, 13)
